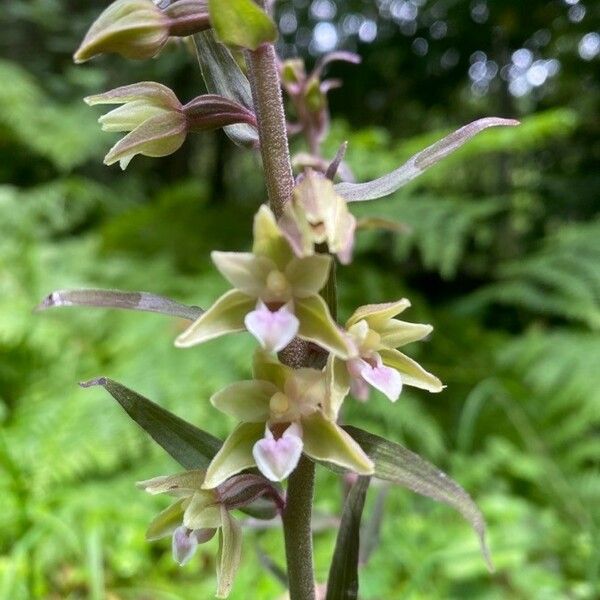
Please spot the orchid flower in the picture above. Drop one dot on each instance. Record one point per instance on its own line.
(275, 295)
(376, 335)
(281, 416)
(317, 214)
(194, 518)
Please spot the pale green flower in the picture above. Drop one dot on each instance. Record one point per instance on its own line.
(376, 335)
(275, 295)
(281, 416)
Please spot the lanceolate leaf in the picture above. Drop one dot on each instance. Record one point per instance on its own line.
(116, 299)
(388, 184)
(241, 23)
(191, 447)
(343, 572)
(223, 76)
(399, 465)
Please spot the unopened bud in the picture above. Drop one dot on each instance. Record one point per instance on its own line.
(139, 28)
(151, 113)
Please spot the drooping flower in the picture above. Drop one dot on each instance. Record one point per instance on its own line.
(139, 29)
(316, 214)
(275, 295)
(156, 120)
(281, 416)
(198, 514)
(376, 334)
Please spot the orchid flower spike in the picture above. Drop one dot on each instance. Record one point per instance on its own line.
(281, 416)
(376, 334)
(275, 296)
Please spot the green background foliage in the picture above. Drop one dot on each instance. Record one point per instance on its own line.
(500, 251)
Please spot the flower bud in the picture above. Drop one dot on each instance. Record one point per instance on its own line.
(139, 29)
(151, 113)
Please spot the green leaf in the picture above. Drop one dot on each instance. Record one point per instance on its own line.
(388, 184)
(223, 76)
(191, 447)
(142, 301)
(399, 465)
(317, 325)
(235, 455)
(342, 583)
(241, 23)
(226, 315)
(230, 552)
(325, 440)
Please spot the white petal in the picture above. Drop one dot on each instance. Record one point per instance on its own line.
(184, 545)
(276, 459)
(273, 329)
(382, 378)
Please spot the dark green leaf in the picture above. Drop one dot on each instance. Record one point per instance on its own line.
(191, 447)
(399, 465)
(343, 573)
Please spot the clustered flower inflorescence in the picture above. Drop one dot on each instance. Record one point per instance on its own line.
(279, 287)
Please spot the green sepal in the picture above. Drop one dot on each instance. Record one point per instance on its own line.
(247, 401)
(308, 275)
(202, 512)
(268, 239)
(412, 372)
(245, 271)
(229, 554)
(235, 455)
(180, 484)
(325, 440)
(338, 385)
(377, 315)
(266, 367)
(241, 23)
(166, 521)
(397, 333)
(226, 315)
(317, 325)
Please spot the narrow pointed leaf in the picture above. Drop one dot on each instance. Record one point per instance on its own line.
(222, 75)
(399, 465)
(189, 446)
(142, 301)
(241, 23)
(342, 583)
(388, 184)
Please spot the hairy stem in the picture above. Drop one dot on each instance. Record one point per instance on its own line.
(297, 531)
(268, 104)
